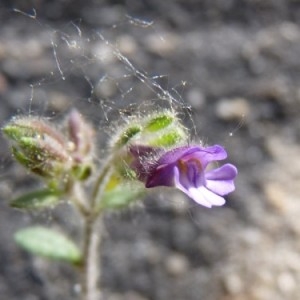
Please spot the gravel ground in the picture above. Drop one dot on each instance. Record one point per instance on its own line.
(234, 67)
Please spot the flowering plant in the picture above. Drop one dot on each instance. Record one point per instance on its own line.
(153, 150)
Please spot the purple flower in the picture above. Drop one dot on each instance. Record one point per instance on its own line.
(185, 169)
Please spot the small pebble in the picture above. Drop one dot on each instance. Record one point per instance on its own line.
(127, 45)
(196, 98)
(276, 195)
(162, 44)
(233, 284)
(286, 282)
(176, 264)
(232, 109)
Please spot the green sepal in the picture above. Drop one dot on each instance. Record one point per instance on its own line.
(15, 132)
(169, 138)
(32, 148)
(159, 121)
(39, 168)
(31, 127)
(21, 157)
(34, 164)
(121, 196)
(128, 133)
(37, 199)
(48, 243)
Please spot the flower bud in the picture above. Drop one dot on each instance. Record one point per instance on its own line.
(38, 146)
(160, 129)
(81, 134)
(150, 134)
(82, 172)
(30, 127)
(80, 144)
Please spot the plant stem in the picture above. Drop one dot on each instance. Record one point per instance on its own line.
(98, 186)
(91, 270)
(92, 236)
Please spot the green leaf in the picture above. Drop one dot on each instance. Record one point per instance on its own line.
(121, 196)
(48, 243)
(160, 121)
(37, 199)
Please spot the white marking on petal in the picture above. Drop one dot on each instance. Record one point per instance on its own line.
(201, 195)
(211, 197)
(198, 197)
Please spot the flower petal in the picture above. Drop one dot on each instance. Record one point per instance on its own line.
(201, 195)
(210, 197)
(142, 155)
(184, 169)
(163, 175)
(209, 154)
(220, 181)
(205, 197)
(174, 155)
(226, 172)
(143, 151)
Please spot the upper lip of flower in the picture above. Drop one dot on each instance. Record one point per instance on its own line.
(184, 168)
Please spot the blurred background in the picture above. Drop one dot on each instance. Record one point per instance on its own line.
(233, 70)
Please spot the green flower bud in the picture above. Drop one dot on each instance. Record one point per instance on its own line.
(82, 172)
(159, 129)
(30, 127)
(38, 146)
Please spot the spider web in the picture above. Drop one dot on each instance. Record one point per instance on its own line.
(107, 73)
(104, 72)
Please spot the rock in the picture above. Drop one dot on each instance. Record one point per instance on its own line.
(127, 45)
(233, 284)
(176, 264)
(196, 98)
(286, 282)
(161, 44)
(232, 109)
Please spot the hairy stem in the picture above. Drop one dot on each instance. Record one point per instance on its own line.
(101, 179)
(91, 272)
(92, 237)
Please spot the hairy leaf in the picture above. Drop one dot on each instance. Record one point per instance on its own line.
(37, 199)
(48, 243)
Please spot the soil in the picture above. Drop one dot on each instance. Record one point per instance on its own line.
(234, 68)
